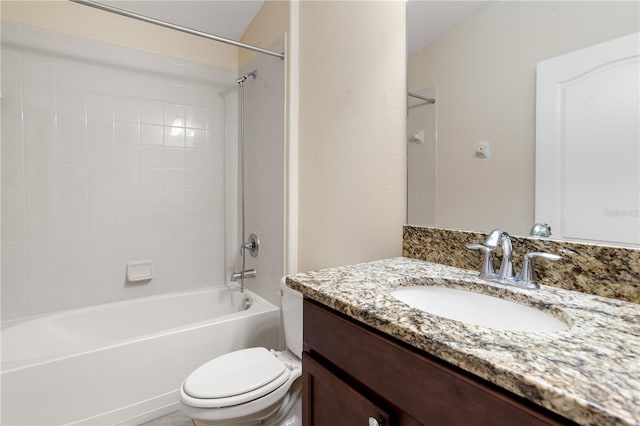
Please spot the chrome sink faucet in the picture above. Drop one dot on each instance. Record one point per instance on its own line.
(505, 275)
(501, 236)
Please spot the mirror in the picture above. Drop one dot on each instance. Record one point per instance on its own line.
(471, 154)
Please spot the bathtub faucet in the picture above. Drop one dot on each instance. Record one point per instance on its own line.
(247, 273)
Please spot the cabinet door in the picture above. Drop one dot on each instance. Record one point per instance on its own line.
(418, 387)
(328, 401)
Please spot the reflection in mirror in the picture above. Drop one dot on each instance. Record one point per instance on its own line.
(481, 68)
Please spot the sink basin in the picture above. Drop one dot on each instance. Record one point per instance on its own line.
(478, 309)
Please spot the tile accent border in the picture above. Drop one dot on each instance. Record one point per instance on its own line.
(589, 268)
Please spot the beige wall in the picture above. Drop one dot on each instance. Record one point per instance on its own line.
(267, 28)
(94, 24)
(352, 129)
(484, 72)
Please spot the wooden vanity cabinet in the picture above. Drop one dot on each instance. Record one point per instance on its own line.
(354, 375)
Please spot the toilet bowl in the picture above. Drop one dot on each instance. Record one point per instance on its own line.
(254, 386)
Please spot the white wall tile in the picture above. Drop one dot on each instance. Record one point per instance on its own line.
(103, 247)
(102, 224)
(151, 88)
(151, 134)
(12, 150)
(99, 130)
(152, 199)
(41, 226)
(105, 159)
(71, 102)
(39, 125)
(174, 137)
(151, 112)
(127, 109)
(76, 296)
(41, 176)
(42, 300)
(43, 276)
(102, 201)
(73, 177)
(172, 158)
(151, 157)
(40, 151)
(38, 68)
(73, 201)
(14, 280)
(13, 201)
(174, 115)
(127, 200)
(11, 123)
(14, 254)
(74, 225)
(195, 138)
(126, 133)
(72, 129)
(129, 223)
(41, 252)
(73, 251)
(127, 155)
(15, 305)
(126, 178)
(11, 90)
(101, 154)
(73, 153)
(101, 177)
(41, 201)
(39, 98)
(195, 117)
(11, 66)
(100, 105)
(71, 73)
(12, 175)
(151, 178)
(13, 227)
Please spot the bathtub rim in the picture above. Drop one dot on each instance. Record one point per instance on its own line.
(260, 305)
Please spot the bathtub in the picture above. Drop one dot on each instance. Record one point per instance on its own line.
(122, 363)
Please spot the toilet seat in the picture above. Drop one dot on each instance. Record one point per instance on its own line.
(235, 378)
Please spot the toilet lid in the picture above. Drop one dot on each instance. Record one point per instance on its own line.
(237, 373)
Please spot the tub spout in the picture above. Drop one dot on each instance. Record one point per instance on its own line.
(247, 273)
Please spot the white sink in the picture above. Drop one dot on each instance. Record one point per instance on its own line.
(478, 309)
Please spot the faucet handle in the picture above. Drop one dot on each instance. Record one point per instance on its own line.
(527, 275)
(487, 265)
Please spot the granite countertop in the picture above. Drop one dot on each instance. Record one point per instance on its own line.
(589, 373)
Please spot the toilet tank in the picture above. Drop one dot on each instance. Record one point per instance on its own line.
(292, 318)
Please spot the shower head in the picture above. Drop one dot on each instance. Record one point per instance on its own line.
(253, 74)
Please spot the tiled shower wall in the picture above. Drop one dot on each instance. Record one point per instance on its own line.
(264, 171)
(109, 155)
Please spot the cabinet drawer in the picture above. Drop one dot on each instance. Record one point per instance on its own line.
(429, 390)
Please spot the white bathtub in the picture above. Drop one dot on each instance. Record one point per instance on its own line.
(122, 363)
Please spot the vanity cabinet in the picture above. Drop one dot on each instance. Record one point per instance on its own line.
(355, 375)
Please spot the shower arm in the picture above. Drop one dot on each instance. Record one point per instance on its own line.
(423, 98)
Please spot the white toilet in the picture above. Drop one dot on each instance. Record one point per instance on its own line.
(254, 386)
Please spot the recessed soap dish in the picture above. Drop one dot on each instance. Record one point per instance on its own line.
(140, 270)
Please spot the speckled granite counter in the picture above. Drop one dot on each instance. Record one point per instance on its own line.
(589, 373)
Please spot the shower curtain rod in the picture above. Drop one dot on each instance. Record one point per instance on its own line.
(414, 95)
(165, 24)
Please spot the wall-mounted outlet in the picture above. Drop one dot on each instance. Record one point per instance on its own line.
(483, 150)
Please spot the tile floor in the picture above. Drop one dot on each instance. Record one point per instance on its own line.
(172, 419)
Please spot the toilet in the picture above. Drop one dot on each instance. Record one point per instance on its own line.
(254, 386)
